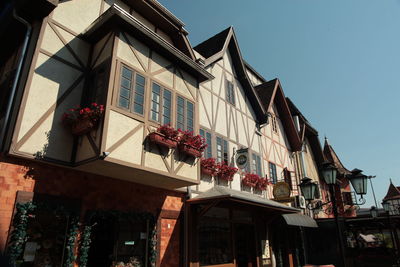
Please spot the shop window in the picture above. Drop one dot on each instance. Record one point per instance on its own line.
(230, 92)
(272, 173)
(215, 246)
(118, 242)
(222, 150)
(131, 91)
(184, 114)
(161, 104)
(207, 136)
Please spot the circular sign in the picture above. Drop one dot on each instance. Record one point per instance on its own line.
(242, 158)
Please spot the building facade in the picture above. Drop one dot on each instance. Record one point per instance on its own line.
(104, 193)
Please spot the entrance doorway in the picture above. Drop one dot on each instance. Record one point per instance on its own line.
(245, 249)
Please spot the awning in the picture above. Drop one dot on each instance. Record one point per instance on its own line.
(224, 193)
(298, 219)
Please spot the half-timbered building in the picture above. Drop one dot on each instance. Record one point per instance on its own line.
(231, 222)
(131, 61)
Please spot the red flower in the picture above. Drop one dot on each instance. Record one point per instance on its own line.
(196, 141)
(168, 131)
(225, 171)
(251, 179)
(72, 115)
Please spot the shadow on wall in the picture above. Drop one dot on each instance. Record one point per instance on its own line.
(56, 86)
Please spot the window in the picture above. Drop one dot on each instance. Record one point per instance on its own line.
(256, 164)
(274, 124)
(184, 114)
(272, 173)
(207, 137)
(230, 92)
(131, 93)
(288, 177)
(222, 150)
(160, 104)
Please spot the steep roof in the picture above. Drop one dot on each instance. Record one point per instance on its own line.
(271, 92)
(331, 156)
(213, 45)
(309, 132)
(392, 193)
(214, 48)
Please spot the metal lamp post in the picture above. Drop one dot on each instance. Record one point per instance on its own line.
(329, 172)
(393, 232)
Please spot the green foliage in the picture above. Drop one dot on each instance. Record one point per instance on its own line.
(71, 241)
(18, 236)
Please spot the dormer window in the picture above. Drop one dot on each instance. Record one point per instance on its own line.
(230, 92)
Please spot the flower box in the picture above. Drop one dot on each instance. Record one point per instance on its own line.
(83, 120)
(189, 150)
(162, 140)
(208, 166)
(82, 126)
(207, 171)
(250, 180)
(226, 172)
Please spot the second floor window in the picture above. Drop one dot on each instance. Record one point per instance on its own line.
(184, 114)
(160, 104)
(230, 92)
(256, 164)
(207, 137)
(131, 91)
(222, 150)
(272, 173)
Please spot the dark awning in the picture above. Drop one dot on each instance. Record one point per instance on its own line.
(224, 193)
(298, 219)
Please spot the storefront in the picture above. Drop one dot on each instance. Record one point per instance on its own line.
(232, 228)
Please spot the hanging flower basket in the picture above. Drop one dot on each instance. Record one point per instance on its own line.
(162, 140)
(82, 126)
(83, 120)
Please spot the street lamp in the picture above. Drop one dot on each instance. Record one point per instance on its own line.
(329, 173)
(374, 212)
(308, 188)
(359, 182)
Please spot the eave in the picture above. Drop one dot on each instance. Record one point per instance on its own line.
(117, 18)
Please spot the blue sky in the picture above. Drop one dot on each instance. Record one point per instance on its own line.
(339, 61)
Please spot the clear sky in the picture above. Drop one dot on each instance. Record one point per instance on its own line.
(339, 61)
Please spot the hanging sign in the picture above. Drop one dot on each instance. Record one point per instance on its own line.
(281, 190)
(242, 158)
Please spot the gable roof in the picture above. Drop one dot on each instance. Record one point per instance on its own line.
(392, 193)
(308, 132)
(331, 156)
(214, 48)
(116, 17)
(271, 92)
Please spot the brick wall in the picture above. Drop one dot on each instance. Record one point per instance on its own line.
(94, 192)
